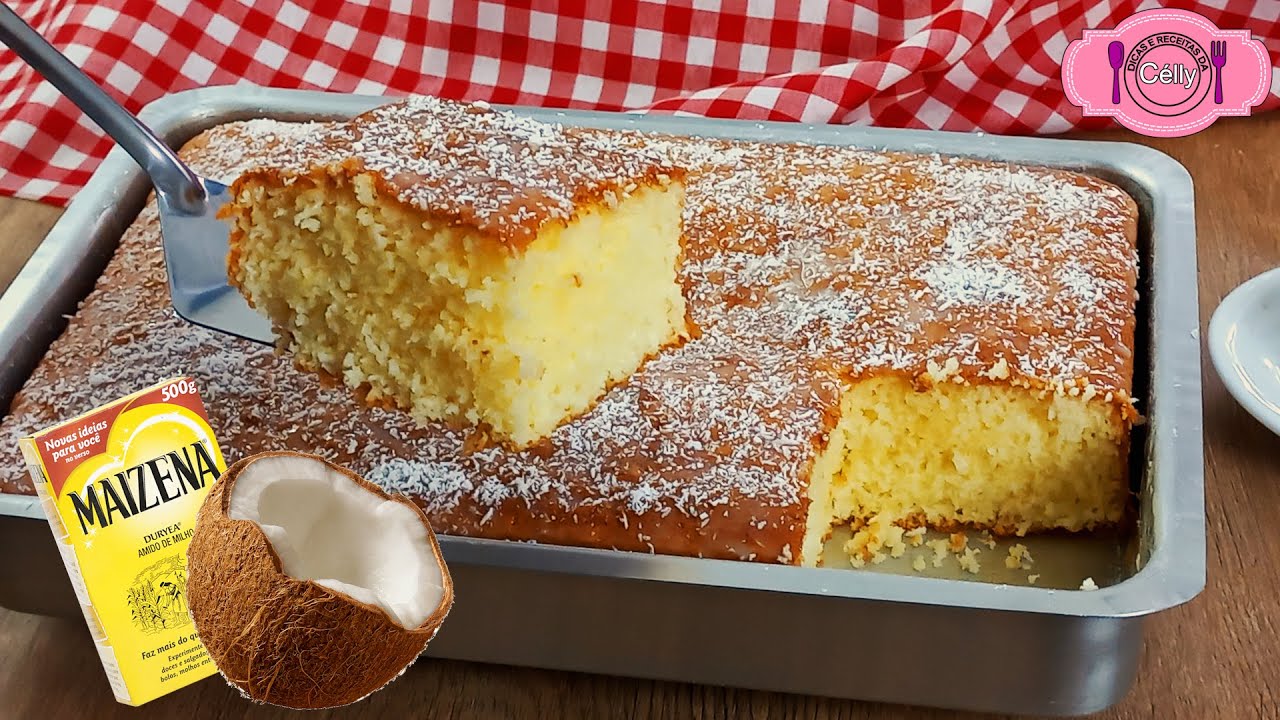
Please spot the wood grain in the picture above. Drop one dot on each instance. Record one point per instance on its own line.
(1217, 657)
(22, 226)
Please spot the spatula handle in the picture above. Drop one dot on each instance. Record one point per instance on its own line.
(170, 176)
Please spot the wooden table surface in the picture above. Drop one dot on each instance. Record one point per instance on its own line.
(1218, 656)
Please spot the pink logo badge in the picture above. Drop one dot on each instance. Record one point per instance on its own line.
(1166, 73)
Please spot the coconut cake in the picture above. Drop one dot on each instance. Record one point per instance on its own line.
(884, 340)
(461, 264)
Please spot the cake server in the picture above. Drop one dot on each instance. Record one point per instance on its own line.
(195, 240)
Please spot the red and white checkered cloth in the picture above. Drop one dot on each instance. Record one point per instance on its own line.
(988, 65)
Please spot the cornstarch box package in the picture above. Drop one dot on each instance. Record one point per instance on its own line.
(121, 486)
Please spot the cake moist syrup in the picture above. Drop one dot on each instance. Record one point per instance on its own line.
(120, 486)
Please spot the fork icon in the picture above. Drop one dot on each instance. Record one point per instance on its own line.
(1218, 55)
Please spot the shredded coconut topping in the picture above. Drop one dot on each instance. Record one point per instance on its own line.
(500, 173)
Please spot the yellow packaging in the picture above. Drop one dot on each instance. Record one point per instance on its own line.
(120, 486)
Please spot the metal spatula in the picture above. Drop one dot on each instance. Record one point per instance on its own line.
(195, 240)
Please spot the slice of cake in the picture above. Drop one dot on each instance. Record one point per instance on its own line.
(464, 264)
(951, 452)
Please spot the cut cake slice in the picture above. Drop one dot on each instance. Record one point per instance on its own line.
(464, 264)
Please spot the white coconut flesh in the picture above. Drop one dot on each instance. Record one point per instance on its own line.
(328, 529)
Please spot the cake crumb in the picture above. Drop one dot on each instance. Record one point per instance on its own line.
(959, 541)
(915, 536)
(940, 550)
(1019, 558)
(919, 564)
(1033, 577)
(893, 541)
(1088, 584)
(872, 537)
(987, 540)
(969, 560)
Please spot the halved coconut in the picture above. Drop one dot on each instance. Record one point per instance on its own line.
(310, 586)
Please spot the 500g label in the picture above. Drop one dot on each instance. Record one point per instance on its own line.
(173, 390)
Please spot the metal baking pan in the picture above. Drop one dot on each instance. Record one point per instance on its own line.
(888, 634)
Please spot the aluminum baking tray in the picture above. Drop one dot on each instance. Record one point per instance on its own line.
(888, 634)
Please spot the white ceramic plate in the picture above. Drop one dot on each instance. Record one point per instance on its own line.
(1244, 342)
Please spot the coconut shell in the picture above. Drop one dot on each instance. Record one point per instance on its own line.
(285, 641)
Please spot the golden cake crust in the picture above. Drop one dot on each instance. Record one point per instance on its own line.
(504, 176)
(805, 267)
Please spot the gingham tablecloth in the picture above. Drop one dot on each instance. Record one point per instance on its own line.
(943, 64)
